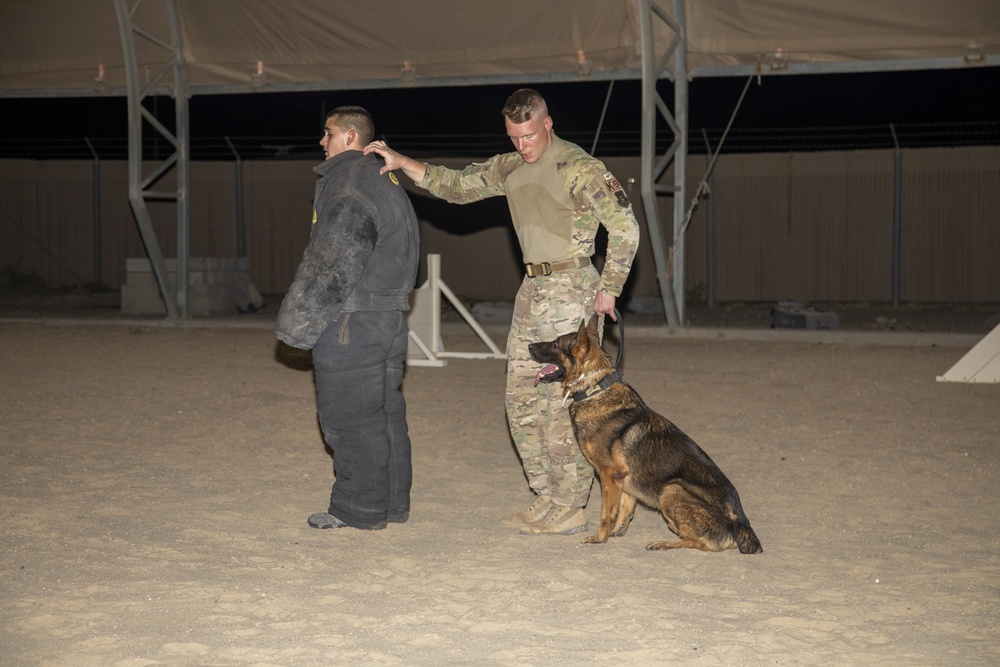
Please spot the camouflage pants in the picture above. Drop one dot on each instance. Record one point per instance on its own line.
(546, 307)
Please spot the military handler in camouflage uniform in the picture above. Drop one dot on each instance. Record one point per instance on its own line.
(558, 195)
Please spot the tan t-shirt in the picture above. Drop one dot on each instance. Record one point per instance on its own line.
(556, 204)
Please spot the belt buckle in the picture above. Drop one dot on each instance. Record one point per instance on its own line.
(535, 270)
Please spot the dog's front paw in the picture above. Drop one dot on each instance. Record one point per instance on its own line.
(594, 539)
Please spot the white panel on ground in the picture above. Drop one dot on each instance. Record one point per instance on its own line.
(980, 364)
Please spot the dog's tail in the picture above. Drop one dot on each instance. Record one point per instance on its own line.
(739, 527)
(746, 539)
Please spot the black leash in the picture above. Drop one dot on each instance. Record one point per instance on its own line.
(621, 340)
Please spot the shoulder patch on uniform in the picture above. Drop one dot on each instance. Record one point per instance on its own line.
(392, 177)
(615, 188)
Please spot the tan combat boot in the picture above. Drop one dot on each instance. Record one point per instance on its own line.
(560, 520)
(535, 511)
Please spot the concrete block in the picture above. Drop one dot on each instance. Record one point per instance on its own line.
(796, 315)
(140, 279)
(217, 286)
(137, 265)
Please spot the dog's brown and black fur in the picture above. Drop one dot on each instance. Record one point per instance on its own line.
(640, 455)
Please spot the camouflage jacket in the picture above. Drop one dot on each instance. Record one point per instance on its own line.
(556, 205)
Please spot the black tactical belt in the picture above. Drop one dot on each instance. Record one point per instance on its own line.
(547, 269)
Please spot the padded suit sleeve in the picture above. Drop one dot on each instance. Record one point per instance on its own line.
(331, 266)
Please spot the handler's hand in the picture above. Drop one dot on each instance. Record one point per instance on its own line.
(604, 304)
(391, 157)
(414, 169)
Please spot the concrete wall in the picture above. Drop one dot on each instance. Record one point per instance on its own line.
(802, 226)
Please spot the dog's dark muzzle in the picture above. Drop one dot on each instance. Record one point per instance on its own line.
(543, 353)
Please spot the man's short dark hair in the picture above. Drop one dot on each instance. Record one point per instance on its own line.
(523, 105)
(354, 118)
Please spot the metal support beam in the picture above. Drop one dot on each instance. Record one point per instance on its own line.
(680, 158)
(240, 227)
(897, 216)
(709, 229)
(139, 188)
(652, 105)
(96, 203)
(182, 131)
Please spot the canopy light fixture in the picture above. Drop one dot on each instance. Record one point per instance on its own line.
(100, 81)
(408, 72)
(257, 79)
(779, 59)
(975, 52)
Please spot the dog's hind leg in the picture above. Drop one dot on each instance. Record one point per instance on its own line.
(626, 509)
(611, 493)
(697, 526)
(663, 545)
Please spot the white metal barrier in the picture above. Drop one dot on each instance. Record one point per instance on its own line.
(426, 347)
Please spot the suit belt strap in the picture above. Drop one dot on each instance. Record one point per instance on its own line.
(388, 299)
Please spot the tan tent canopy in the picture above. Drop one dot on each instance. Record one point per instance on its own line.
(69, 47)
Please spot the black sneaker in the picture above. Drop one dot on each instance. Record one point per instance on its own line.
(324, 520)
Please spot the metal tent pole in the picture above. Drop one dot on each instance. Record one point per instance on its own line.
(897, 215)
(139, 188)
(183, 146)
(240, 227)
(680, 159)
(96, 199)
(650, 173)
(709, 228)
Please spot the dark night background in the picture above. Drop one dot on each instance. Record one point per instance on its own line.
(787, 112)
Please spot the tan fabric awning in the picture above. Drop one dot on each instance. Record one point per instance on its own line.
(50, 47)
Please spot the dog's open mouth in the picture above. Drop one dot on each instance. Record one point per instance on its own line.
(550, 373)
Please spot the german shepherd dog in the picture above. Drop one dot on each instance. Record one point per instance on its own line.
(640, 455)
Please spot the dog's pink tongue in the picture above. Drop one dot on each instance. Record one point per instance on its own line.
(551, 368)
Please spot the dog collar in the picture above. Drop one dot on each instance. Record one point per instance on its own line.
(589, 392)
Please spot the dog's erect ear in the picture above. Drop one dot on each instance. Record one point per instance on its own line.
(583, 334)
(592, 326)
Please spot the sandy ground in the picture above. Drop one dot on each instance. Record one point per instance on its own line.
(155, 481)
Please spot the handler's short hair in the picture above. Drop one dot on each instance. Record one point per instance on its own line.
(523, 105)
(354, 118)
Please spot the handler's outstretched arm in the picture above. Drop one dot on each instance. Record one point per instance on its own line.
(394, 161)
